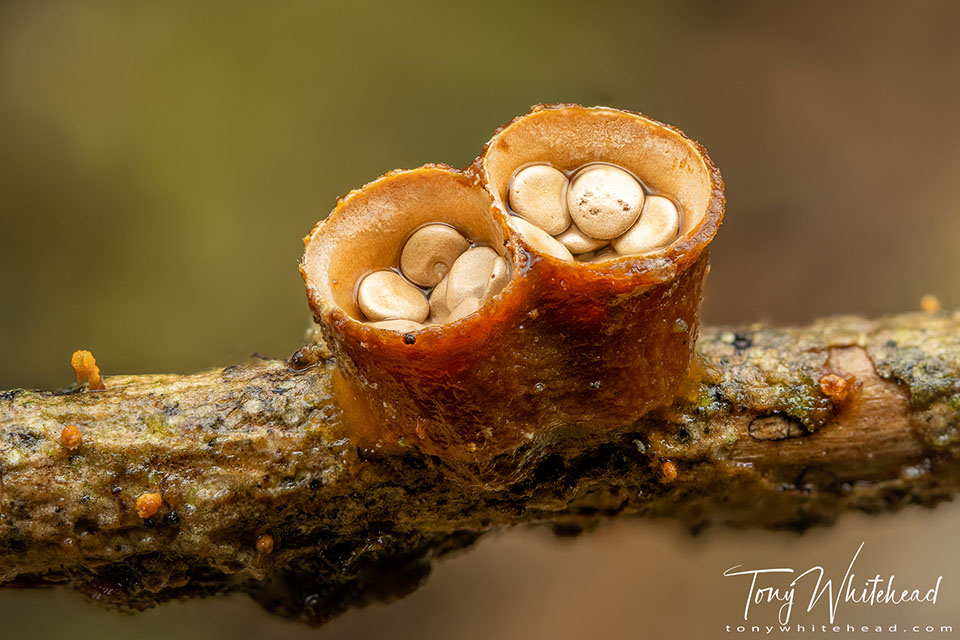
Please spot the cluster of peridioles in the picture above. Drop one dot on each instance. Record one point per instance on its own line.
(595, 212)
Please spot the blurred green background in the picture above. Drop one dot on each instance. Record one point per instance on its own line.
(161, 161)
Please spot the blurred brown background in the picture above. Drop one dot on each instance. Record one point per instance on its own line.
(161, 161)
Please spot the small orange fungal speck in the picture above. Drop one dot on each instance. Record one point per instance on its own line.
(930, 303)
(669, 471)
(85, 366)
(148, 504)
(71, 437)
(835, 387)
(265, 543)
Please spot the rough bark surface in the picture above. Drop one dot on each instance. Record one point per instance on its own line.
(266, 449)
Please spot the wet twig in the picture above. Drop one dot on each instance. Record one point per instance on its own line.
(265, 490)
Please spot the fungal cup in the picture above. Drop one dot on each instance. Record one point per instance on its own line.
(414, 386)
(567, 346)
(620, 329)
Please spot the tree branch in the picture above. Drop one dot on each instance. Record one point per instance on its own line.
(781, 428)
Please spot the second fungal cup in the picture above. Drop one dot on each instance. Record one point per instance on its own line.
(617, 335)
